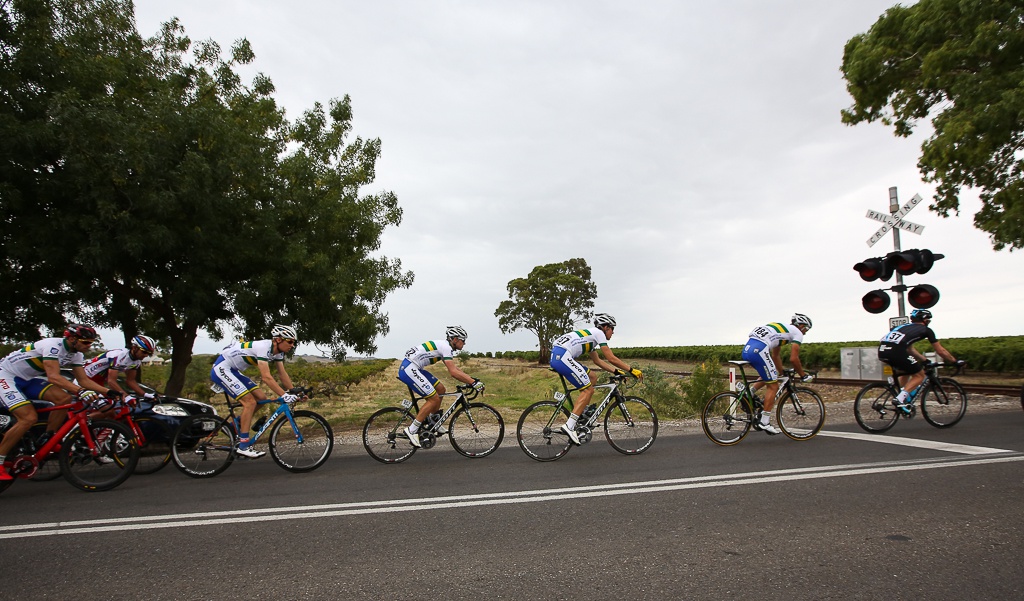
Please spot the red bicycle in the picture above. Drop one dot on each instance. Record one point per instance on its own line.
(94, 455)
(152, 436)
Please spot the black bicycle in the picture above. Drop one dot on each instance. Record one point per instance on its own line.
(728, 416)
(943, 401)
(630, 423)
(474, 429)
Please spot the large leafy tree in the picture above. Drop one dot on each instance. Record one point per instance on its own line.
(548, 302)
(961, 64)
(153, 190)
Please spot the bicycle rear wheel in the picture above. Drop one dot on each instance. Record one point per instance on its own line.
(105, 469)
(538, 434)
(304, 455)
(203, 446)
(476, 431)
(155, 448)
(944, 403)
(800, 413)
(874, 409)
(383, 438)
(726, 418)
(631, 425)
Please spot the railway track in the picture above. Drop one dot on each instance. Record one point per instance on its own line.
(989, 389)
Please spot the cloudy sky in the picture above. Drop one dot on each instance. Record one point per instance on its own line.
(691, 152)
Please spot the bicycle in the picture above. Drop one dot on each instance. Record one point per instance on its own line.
(298, 441)
(630, 423)
(152, 435)
(84, 449)
(943, 401)
(728, 416)
(475, 430)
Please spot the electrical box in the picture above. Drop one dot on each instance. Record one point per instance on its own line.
(860, 363)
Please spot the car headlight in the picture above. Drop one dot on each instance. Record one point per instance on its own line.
(170, 410)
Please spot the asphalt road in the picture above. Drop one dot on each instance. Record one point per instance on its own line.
(919, 513)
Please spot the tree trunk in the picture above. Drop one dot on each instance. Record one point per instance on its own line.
(545, 353)
(182, 340)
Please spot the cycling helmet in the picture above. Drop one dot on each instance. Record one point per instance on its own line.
(286, 332)
(80, 331)
(455, 332)
(800, 319)
(603, 319)
(145, 343)
(920, 315)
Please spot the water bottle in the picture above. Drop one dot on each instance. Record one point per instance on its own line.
(587, 413)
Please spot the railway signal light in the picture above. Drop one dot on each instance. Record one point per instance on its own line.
(875, 301)
(907, 262)
(876, 268)
(923, 296)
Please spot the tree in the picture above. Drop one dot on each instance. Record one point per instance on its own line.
(548, 302)
(181, 198)
(960, 63)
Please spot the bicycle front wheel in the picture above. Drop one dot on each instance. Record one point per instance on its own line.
(631, 425)
(800, 414)
(944, 403)
(726, 418)
(383, 436)
(302, 443)
(203, 446)
(538, 434)
(98, 468)
(477, 430)
(874, 408)
(154, 446)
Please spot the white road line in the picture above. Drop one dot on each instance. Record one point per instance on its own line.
(913, 442)
(451, 502)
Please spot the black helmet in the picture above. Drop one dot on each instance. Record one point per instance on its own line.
(920, 315)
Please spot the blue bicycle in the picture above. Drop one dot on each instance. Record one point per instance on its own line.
(298, 440)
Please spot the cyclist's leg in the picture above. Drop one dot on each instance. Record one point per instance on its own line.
(578, 377)
(424, 384)
(242, 390)
(909, 368)
(757, 353)
(40, 388)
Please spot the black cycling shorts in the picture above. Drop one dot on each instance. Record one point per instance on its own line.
(900, 360)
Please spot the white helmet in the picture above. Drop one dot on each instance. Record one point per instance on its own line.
(286, 332)
(800, 319)
(455, 332)
(603, 319)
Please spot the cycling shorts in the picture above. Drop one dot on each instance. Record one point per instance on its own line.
(234, 382)
(419, 381)
(757, 353)
(900, 360)
(17, 392)
(574, 373)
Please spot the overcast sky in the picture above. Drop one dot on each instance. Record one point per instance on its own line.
(691, 152)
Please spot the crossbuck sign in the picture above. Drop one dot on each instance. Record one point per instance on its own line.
(895, 220)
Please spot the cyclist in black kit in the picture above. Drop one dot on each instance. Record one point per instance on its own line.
(897, 349)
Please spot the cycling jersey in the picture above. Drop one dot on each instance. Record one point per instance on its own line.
(758, 350)
(429, 353)
(27, 362)
(242, 355)
(119, 359)
(894, 348)
(777, 334)
(581, 342)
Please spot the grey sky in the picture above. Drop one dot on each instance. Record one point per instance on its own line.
(679, 147)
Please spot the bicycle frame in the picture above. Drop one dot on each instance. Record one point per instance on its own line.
(412, 407)
(565, 401)
(25, 466)
(283, 409)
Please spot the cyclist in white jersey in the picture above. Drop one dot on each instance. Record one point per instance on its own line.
(763, 351)
(422, 382)
(33, 372)
(568, 347)
(105, 368)
(235, 359)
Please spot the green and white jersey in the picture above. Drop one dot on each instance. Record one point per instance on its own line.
(242, 355)
(27, 362)
(777, 334)
(429, 353)
(581, 342)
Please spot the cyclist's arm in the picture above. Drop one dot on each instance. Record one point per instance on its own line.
(917, 354)
(284, 377)
(83, 380)
(268, 379)
(948, 356)
(457, 373)
(794, 358)
(606, 352)
(112, 381)
(131, 379)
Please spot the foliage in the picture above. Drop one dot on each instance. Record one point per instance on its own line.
(548, 302)
(182, 197)
(960, 63)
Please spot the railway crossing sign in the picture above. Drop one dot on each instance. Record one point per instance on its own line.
(895, 220)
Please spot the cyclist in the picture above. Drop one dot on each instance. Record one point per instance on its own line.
(424, 383)
(897, 350)
(235, 358)
(764, 352)
(105, 368)
(33, 372)
(568, 347)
